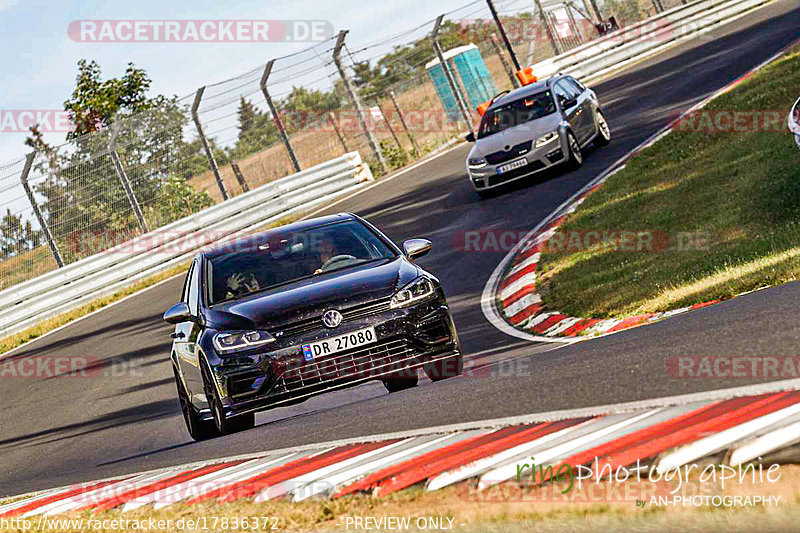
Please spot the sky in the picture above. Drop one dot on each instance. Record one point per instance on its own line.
(39, 58)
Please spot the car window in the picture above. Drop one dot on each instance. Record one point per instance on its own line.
(581, 87)
(194, 292)
(185, 292)
(571, 88)
(517, 112)
(565, 91)
(258, 265)
(562, 95)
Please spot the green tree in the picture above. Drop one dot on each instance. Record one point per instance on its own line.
(256, 131)
(16, 236)
(81, 188)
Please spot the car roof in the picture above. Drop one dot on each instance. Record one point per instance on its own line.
(264, 236)
(522, 92)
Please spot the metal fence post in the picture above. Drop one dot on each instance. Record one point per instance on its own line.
(502, 31)
(449, 75)
(496, 44)
(36, 211)
(123, 177)
(403, 122)
(355, 100)
(332, 118)
(546, 24)
(239, 176)
(391, 129)
(209, 155)
(573, 24)
(275, 118)
(596, 9)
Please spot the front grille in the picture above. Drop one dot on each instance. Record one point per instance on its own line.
(533, 166)
(502, 156)
(350, 313)
(389, 355)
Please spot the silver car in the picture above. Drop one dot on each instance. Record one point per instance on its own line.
(527, 130)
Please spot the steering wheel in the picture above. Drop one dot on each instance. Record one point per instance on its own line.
(336, 259)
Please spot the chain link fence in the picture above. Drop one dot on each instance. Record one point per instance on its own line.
(181, 155)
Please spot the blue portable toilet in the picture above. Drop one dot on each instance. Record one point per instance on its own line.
(471, 76)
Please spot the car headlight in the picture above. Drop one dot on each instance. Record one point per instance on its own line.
(236, 341)
(418, 290)
(476, 162)
(545, 139)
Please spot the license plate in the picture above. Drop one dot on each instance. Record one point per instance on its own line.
(340, 343)
(511, 166)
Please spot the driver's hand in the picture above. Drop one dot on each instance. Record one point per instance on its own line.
(318, 271)
(235, 281)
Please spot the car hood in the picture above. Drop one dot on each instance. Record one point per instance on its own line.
(512, 136)
(308, 298)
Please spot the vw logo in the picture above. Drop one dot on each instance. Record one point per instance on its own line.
(331, 318)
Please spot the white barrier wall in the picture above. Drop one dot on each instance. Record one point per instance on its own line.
(61, 290)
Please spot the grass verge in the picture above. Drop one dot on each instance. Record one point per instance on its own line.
(726, 202)
(506, 508)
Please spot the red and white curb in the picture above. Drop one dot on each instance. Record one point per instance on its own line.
(666, 433)
(510, 301)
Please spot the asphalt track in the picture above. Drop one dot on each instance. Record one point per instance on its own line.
(125, 416)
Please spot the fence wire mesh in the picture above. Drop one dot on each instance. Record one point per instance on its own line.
(150, 168)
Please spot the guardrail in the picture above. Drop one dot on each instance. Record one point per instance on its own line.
(62, 290)
(632, 43)
(794, 122)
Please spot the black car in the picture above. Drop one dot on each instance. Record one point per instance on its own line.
(277, 317)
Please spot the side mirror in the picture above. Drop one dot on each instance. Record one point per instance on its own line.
(470, 137)
(416, 248)
(178, 313)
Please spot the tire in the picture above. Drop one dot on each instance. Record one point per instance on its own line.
(445, 368)
(575, 159)
(198, 429)
(224, 425)
(603, 130)
(399, 384)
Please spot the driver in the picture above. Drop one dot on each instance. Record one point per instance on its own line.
(327, 250)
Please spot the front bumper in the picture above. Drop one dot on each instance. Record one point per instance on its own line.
(407, 339)
(538, 159)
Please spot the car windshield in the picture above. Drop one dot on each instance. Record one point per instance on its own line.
(260, 264)
(517, 112)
